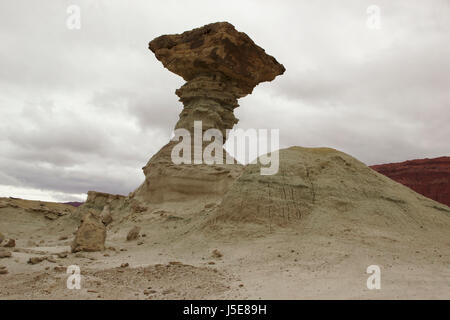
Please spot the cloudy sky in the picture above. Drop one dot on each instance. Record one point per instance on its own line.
(85, 109)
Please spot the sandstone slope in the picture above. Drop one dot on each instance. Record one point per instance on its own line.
(309, 231)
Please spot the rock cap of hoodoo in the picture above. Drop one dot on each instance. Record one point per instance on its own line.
(217, 48)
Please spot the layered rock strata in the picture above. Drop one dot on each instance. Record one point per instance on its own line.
(220, 65)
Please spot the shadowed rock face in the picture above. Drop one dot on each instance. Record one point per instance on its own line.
(220, 66)
(91, 234)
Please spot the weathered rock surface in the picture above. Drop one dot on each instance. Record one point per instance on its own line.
(91, 234)
(429, 177)
(107, 219)
(98, 200)
(3, 270)
(36, 260)
(328, 191)
(4, 253)
(75, 204)
(10, 244)
(220, 66)
(2, 237)
(166, 181)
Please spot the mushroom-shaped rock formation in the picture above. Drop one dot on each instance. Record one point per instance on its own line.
(220, 66)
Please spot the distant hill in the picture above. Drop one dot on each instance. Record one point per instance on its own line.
(429, 177)
(75, 204)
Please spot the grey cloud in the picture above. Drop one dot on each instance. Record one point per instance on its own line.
(86, 109)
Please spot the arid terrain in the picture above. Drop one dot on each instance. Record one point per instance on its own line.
(311, 237)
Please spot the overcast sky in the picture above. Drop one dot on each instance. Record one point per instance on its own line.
(85, 109)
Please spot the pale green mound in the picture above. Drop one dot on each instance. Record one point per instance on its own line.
(323, 190)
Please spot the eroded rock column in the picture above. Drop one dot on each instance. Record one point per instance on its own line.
(220, 65)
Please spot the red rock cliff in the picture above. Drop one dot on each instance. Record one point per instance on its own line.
(429, 177)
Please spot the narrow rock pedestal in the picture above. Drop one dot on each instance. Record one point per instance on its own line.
(220, 65)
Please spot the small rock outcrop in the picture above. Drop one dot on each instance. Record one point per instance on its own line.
(91, 234)
(106, 215)
(11, 243)
(429, 177)
(3, 270)
(35, 260)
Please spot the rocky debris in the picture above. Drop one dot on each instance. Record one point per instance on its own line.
(10, 244)
(61, 255)
(75, 204)
(216, 254)
(166, 182)
(133, 234)
(106, 215)
(168, 291)
(107, 219)
(3, 270)
(8, 203)
(36, 260)
(29, 251)
(125, 265)
(31, 243)
(220, 66)
(429, 177)
(329, 184)
(4, 253)
(63, 238)
(2, 237)
(91, 234)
